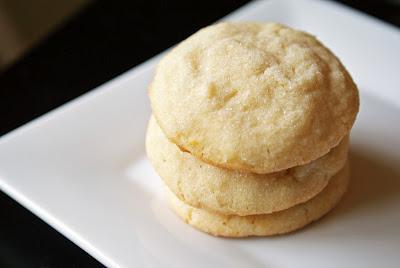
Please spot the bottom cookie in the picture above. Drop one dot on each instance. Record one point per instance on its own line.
(280, 222)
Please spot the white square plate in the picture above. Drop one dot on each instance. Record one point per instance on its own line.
(82, 168)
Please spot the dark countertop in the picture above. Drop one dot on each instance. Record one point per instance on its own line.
(101, 42)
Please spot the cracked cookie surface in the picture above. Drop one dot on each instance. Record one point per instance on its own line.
(256, 97)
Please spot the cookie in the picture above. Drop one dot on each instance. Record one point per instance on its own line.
(266, 224)
(256, 97)
(231, 192)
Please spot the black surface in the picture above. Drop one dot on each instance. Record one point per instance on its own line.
(104, 40)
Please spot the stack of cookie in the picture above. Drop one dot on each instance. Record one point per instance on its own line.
(250, 128)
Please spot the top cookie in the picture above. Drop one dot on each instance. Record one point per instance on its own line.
(257, 97)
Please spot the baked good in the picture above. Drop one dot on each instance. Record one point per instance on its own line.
(266, 224)
(232, 192)
(255, 97)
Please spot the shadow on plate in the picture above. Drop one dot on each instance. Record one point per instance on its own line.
(373, 183)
